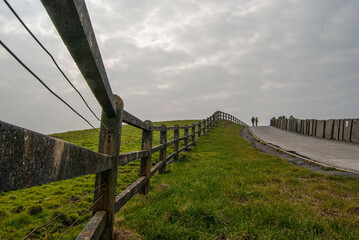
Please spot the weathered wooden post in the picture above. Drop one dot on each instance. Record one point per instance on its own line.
(145, 168)
(163, 152)
(106, 181)
(186, 136)
(199, 129)
(204, 126)
(193, 132)
(176, 143)
(208, 123)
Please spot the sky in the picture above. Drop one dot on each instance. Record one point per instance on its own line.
(185, 59)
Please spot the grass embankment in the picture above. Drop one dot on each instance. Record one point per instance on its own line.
(23, 210)
(226, 189)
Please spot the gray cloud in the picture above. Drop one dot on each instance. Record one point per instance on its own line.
(187, 59)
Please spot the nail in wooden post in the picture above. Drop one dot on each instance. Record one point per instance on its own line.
(163, 140)
(109, 143)
(193, 134)
(145, 168)
(176, 144)
(186, 136)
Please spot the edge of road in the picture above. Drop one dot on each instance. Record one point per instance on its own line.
(299, 156)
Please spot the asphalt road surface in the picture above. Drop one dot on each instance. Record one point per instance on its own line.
(330, 152)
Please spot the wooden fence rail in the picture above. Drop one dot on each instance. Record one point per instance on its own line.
(29, 159)
(24, 153)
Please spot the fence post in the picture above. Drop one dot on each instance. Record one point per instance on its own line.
(204, 126)
(208, 123)
(186, 136)
(193, 134)
(176, 143)
(163, 140)
(145, 168)
(109, 143)
(199, 129)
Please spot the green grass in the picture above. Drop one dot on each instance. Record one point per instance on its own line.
(222, 189)
(23, 210)
(226, 189)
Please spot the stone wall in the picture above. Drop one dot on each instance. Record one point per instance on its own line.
(336, 129)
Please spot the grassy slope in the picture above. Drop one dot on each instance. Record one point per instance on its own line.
(225, 189)
(23, 210)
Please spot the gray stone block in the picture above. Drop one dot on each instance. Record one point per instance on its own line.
(347, 130)
(341, 129)
(355, 131)
(299, 126)
(320, 128)
(288, 124)
(336, 129)
(307, 126)
(310, 130)
(328, 132)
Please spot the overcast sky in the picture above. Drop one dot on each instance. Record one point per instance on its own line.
(186, 59)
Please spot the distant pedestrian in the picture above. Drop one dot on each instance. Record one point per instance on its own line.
(256, 121)
(252, 120)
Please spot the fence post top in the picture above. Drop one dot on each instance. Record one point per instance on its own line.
(150, 124)
(118, 101)
(176, 126)
(163, 127)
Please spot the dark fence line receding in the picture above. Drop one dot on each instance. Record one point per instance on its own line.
(29, 159)
(336, 129)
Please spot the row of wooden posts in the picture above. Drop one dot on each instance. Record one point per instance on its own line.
(101, 225)
(31, 159)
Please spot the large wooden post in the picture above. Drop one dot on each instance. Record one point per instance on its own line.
(109, 143)
(204, 126)
(145, 168)
(163, 140)
(193, 134)
(186, 136)
(199, 129)
(176, 143)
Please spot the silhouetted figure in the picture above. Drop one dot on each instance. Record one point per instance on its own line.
(252, 120)
(256, 121)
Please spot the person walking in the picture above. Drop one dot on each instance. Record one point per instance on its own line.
(252, 120)
(256, 121)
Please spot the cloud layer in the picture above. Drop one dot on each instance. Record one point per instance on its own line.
(187, 59)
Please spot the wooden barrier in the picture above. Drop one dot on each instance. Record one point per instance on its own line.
(31, 159)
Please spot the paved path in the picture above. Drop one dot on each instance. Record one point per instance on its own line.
(334, 153)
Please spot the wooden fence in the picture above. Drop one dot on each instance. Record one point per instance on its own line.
(30, 159)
